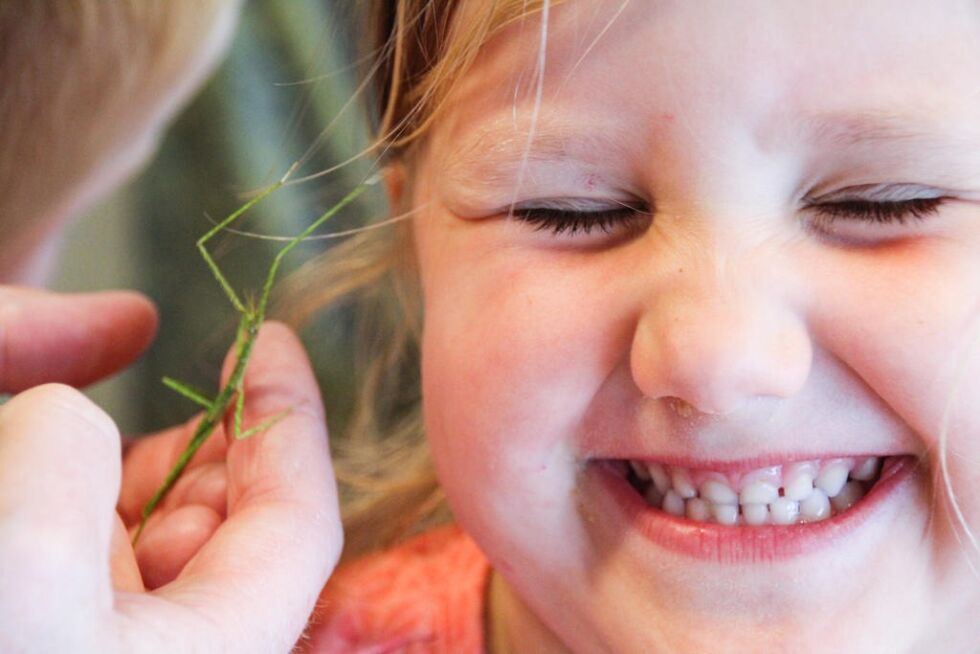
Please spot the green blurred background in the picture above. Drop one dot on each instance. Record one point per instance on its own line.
(287, 76)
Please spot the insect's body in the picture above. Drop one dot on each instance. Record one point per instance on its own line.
(252, 317)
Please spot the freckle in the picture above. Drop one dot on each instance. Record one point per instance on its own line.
(680, 270)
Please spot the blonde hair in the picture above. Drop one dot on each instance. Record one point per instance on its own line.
(83, 78)
(417, 50)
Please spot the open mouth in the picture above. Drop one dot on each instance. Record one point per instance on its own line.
(794, 493)
(729, 513)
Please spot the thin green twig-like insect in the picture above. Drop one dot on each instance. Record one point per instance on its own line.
(251, 318)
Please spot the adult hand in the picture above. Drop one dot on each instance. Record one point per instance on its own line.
(69, 579)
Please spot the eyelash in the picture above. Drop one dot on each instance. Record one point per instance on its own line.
(898, 212)
(564, 221)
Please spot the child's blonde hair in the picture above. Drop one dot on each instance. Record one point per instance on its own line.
(80, 79)
(417, 49)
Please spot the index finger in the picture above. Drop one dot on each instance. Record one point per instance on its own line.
(73, 339)
(267, 564)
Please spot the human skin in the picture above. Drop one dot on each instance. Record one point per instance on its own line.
(236, 556)
(71, 581)
(789, 336)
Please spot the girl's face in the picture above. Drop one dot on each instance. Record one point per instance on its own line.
(746, 235)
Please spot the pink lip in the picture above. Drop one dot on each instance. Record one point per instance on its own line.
(618, 504)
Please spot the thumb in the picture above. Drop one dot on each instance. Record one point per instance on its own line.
(71, 339)
(59, 461)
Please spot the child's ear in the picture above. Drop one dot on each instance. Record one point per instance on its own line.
(394, 181)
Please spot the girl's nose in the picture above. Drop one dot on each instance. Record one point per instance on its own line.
(715, 345)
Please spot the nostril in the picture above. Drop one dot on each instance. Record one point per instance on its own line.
(680, 407)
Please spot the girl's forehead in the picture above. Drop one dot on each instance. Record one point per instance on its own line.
(711, 63)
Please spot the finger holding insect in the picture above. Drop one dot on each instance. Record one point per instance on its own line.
(171, 539)
(149, 459)
(204, 485)
(183, 522)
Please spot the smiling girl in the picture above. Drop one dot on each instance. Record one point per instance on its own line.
(699, 285)
(693, 288)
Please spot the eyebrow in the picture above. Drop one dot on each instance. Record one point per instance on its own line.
(494, 154)
(871, 128)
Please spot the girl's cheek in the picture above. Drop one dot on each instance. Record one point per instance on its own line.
(906, 320)
(902, 319)
(513, 353)
(516, 346)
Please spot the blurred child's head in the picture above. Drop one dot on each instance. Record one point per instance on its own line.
(736, 243)
(87, 89)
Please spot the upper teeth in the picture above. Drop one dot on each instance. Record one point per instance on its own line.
(804, 491)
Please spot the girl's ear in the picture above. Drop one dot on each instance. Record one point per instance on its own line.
(394, 181)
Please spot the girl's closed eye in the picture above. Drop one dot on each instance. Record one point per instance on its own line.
(867, 211)
(570, 217)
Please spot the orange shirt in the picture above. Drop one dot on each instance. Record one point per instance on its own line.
(424, 596)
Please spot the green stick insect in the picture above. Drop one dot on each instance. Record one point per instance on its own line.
(251, 317)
